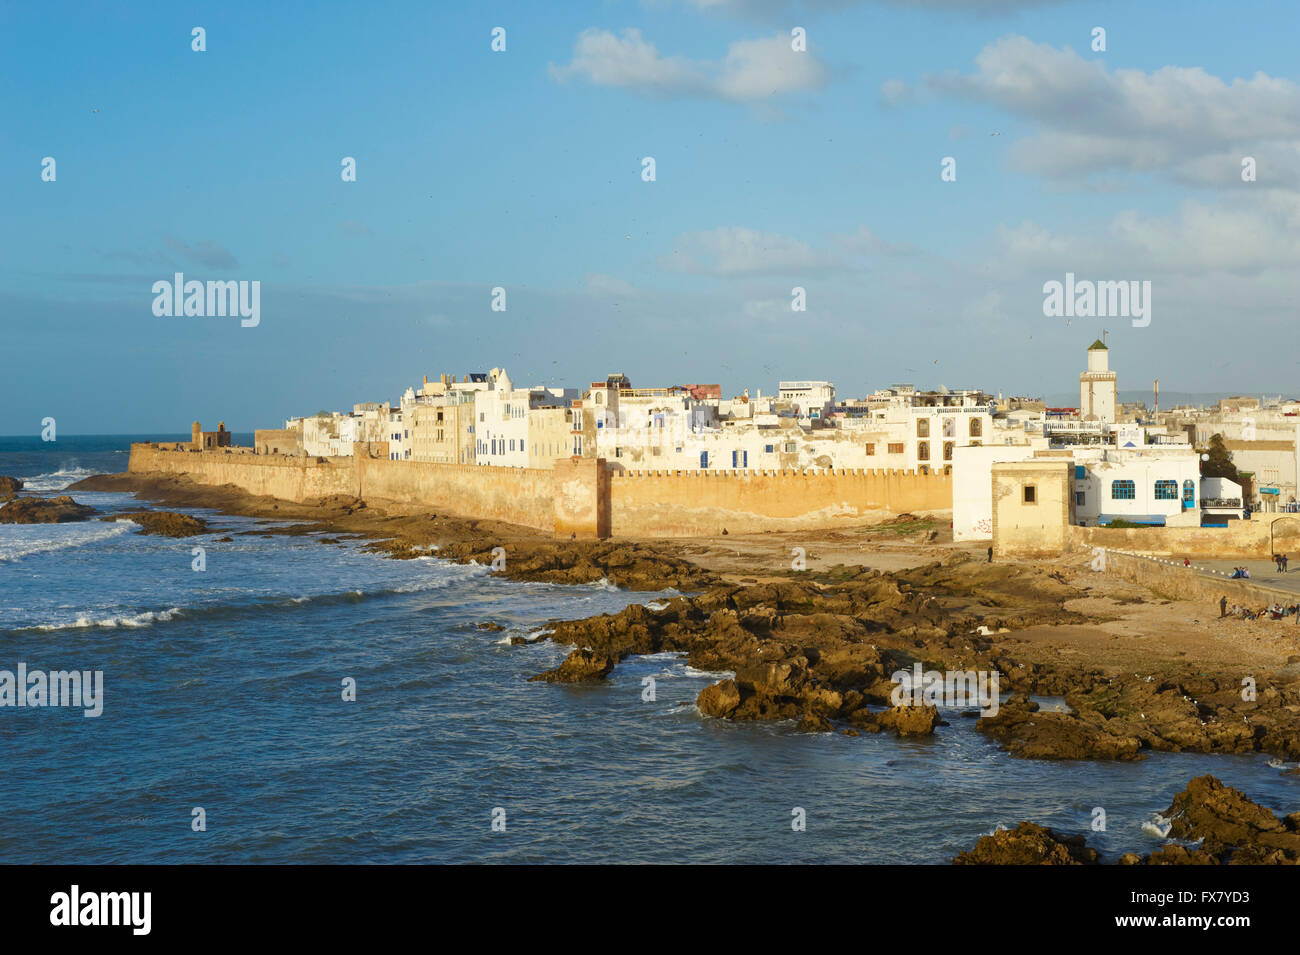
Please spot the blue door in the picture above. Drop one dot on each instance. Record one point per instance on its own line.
(704, 459)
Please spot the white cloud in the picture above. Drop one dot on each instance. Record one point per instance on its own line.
(1088, 120)
(751, 70)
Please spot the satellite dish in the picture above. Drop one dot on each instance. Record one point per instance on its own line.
(1205, 457)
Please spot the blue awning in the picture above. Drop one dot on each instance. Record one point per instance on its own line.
(1268, 490)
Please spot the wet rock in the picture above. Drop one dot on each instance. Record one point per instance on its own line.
(9, 485)
(580, 666)
(719, 699)
(491, 626)
(1174, 854)
(1029, 844)
(904, 720)
(1232, 828)
(163, 523)
(44, 510)
(1029, 734)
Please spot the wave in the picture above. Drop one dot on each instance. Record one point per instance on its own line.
(66, 535)
(1157, 826)
(145, 619)
(254, 605)
(57, 480)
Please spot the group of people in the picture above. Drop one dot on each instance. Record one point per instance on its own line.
(1275, 612)
(1280, 560)
(1240, 573)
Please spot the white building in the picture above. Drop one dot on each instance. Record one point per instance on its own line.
(1098, 386)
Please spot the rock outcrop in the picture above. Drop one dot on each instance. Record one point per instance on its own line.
(44, 510)
(164, 523)
(1029, 844)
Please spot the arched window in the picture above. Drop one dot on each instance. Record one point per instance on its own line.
(1166, 490)
(1123, 491)
(1189, 493)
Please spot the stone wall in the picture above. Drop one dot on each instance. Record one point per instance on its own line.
(579, 497)
(1260, 537)
(696, 503)
(1174, 581)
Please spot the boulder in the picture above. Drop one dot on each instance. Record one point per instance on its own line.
(1029, 844)
(44, 510)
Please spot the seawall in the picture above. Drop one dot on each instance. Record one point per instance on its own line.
(578, 496)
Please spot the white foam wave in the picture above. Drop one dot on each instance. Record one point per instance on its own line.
(56, 480)
(1157, 826)
(146, 619)
(24, 540)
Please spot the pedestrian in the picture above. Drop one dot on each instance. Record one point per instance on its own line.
(1223, 607)
(990, 555)
(1187, 562)
(1284, 563)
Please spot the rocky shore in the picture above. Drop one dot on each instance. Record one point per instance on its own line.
(819, 647)
(1212, 824)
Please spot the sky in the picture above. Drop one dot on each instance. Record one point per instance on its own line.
(524, 169)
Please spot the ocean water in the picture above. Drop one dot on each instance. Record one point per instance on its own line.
(222, 690)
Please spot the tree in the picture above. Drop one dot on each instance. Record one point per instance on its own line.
(1219, 463)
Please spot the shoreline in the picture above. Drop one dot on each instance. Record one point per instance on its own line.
(1139, 673)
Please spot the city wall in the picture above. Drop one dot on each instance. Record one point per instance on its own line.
(577, 497)
(1260, 537)
(697, 503)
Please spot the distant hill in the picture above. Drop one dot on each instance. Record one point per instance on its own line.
(1168, 399)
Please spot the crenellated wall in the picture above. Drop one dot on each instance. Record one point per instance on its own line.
(577, 497)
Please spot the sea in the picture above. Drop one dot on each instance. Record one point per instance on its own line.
(227, 734)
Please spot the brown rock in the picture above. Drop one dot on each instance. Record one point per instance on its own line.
(164, 523)
(580, 666)
(719, 699)
(1029, 844)
(10, 485)
(41, 510)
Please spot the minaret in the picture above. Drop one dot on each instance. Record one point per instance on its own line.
(1098, 387)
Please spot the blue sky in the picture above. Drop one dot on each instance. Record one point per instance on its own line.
(522, 169)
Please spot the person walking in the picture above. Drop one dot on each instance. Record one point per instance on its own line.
(1223, 607)
(990, 555)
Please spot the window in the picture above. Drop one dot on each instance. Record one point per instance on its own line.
(791, 447)
(769, 448)
(923, 450)
(950, 427)
(923, 427)
(1189, 493)
(947, 450)
(871, 449)
(976, 427)
(704, 459)
(1080, 473)
(1078, 498)
(1166, 490)
(1031, 494)
(740, 459)
(577, 445)
(895, 449)
(1123, 491)
(618, 452)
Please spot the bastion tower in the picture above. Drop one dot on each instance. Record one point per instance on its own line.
(1098, 386)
